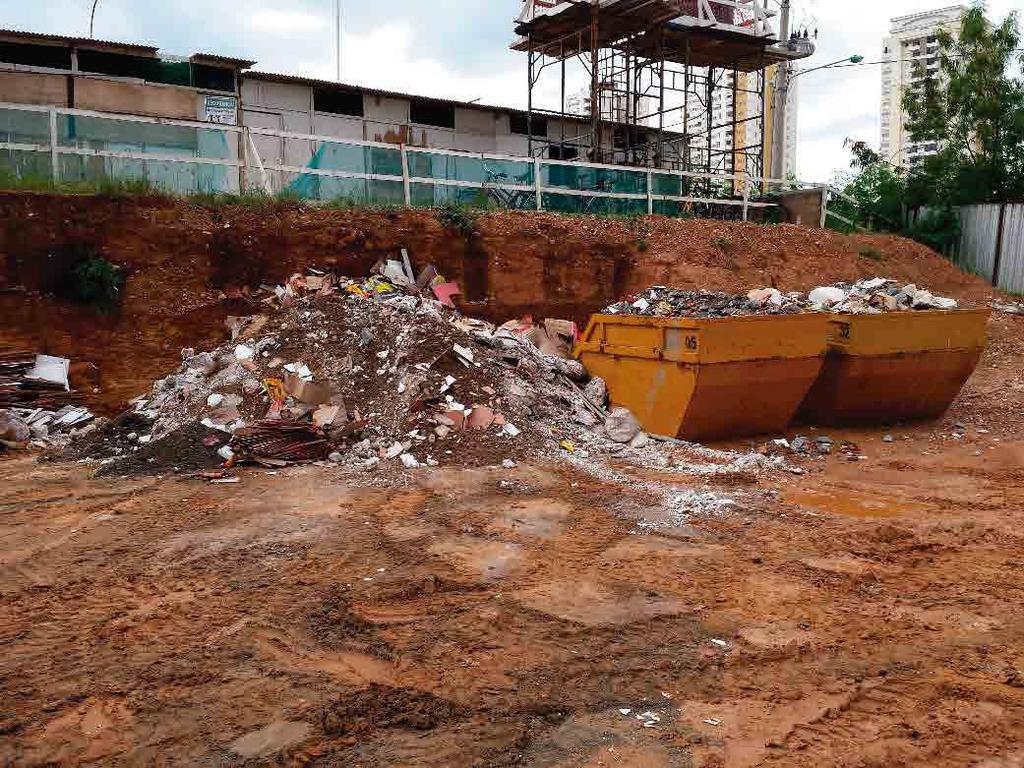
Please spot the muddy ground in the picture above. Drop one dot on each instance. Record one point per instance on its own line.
(861, 614)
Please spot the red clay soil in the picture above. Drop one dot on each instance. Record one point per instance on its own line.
(183, 260)
(863, 615)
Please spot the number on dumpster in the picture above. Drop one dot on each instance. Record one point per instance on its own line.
(691, 343)
(844, 331)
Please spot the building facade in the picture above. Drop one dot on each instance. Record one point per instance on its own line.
(132, 79)
(911, 55)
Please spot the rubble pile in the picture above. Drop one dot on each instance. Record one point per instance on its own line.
(366, 373)
(659, 301)
(864, 297)
(37, 405)
(875, 296)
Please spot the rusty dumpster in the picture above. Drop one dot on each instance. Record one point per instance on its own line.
(705, 379)
(898, 366)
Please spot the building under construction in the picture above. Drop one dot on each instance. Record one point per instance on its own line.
(655, 68)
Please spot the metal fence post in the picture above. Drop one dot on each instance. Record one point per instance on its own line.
(997, 259)
(650, 193)
(406, 186)
(54, 154)
(746, 197)
(537, 186)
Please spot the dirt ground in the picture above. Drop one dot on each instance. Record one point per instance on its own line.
(188, 267)
(861, 614)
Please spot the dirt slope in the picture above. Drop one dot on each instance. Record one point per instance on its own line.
(182, 258)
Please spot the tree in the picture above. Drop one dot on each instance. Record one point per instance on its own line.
(878, 188)
(974, 111)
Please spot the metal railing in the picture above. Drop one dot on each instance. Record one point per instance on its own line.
(186, 156)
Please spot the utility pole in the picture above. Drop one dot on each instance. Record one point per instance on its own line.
(337, 36)
(780, 100)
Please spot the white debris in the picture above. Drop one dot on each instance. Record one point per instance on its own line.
(244, 352)
(410, 461)
(301, 370)
(826, 298)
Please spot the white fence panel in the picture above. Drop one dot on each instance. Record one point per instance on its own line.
(979, 227)
(1011, 264)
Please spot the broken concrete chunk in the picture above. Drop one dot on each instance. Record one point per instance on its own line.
(640, 441)
(621, 426)
(13, 429)
(596, 392)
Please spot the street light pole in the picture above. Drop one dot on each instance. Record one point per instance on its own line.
(781, 103)
(92, 17)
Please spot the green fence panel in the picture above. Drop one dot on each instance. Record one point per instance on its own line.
(604, 206)
(180, 178)
(431, 195)
(21, 127)
(16, 165)
(594, 179)
(667, 184)
(150, 138)
(428, 165)
(326, 189)
(353, 158)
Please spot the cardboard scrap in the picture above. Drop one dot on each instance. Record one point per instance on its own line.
(309, 392)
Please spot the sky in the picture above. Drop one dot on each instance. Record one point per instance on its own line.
(459, 49)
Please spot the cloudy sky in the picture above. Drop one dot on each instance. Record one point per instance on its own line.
(459, 49)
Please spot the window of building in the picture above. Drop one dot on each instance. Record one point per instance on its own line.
(213, 78)
(557, 152)
(147, 68)
(538, 125)
(30, 55)
(338, 101)
(433, 113)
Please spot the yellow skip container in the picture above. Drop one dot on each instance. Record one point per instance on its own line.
(898, 366)
(706, 379)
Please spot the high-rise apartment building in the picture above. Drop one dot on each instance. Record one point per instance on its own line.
(735, 128)
(911, 54)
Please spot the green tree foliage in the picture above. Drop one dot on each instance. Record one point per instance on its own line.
(974, 110)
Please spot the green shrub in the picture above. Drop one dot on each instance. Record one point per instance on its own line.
(97, 282)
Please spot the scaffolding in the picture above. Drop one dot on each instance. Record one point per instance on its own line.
(659, 71)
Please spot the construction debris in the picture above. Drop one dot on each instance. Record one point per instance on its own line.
(864, 297)
(366, 373)
(660, 301)
(875, 296)
(40, 408)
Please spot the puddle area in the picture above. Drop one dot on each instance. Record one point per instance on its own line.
(853, 504)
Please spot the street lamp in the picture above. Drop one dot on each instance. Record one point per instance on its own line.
(92, 16)
(855, 59)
